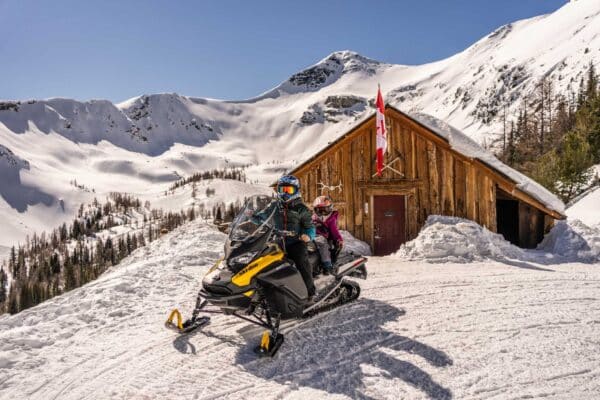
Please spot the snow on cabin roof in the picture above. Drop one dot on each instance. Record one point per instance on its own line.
(463, 144)
(468, 147)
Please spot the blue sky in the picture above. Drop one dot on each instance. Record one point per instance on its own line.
(223, 49)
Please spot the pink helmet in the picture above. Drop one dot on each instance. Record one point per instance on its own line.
(323, 205)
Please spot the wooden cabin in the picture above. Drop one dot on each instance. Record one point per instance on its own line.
(424, 176)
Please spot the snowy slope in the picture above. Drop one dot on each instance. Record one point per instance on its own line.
(587, 209)
(420, 330)
(225, 191)
(149, 141)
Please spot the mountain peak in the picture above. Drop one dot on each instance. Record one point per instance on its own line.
(350, 61)
(329, 70)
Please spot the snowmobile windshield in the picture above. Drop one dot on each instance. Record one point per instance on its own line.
(254, 221)
(250, 231)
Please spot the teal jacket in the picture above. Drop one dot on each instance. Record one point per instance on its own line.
(293, 216)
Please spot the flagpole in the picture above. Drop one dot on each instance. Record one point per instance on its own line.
(380, 130)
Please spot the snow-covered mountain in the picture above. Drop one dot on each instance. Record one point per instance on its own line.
(143, 144)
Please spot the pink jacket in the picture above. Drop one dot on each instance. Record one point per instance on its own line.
(328, 228)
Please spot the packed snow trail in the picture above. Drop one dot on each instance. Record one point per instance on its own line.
(419, 330)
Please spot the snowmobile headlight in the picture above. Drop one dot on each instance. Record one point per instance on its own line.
(214, 271)
(244, 259)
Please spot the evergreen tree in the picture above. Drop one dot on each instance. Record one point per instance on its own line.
(218, 216)
(69, 271)
(574, 165)
(25, 297)
(588, 115)
(12, 262)
(3, 286)
(546, 171)
(13, 302)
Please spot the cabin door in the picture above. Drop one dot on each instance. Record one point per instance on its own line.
(389, 223)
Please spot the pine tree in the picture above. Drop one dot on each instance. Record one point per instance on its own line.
(22, 268)
(588, 115)
(573, 165)
(69, 271)
(64, 233)
(3, 286)
(546, 171)
(25, 297)
(13, 302)
(12, 262)
(141, 240)
(218, 216)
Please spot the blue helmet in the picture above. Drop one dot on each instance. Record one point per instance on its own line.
(288, 188)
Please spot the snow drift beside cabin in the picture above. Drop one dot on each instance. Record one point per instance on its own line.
(573, 240)
(453, 239)
(355, 245)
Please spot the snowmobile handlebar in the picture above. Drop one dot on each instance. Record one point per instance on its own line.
(284, 233)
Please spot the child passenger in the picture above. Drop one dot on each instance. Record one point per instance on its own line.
(325, 220)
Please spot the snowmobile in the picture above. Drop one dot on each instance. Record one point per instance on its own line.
(255, 281)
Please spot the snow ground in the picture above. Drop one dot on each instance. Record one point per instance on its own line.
(483, 329)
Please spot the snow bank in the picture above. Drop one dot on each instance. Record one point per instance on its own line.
(354, 245)
(573, 240)
(452, 239)
(587, 208)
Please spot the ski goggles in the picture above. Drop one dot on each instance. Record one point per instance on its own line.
(322, 211)
(287, 189)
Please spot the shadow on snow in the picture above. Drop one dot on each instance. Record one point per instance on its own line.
(339, 352)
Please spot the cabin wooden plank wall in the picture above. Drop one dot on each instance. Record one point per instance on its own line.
(435, 179)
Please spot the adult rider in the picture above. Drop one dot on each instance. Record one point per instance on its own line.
(293, 215)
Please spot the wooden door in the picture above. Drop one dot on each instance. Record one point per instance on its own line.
(389, 223)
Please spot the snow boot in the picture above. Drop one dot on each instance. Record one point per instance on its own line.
(327, 268)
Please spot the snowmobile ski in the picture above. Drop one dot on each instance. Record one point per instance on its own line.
(190, 324)
(269, 344)
(187, 326)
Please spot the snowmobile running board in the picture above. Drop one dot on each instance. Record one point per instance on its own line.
(351, 270)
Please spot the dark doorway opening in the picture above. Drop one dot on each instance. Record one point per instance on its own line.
(507, 219)
(389, 218)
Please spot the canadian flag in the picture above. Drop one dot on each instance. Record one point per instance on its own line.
(381, 138)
